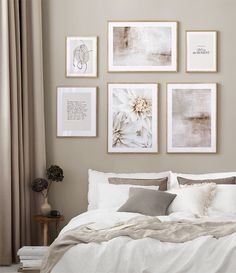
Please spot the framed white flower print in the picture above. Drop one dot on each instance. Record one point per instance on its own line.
(76, 111)
(137, 46)
(201, 51)
(191, 117)
(81, 57)
(132, 118)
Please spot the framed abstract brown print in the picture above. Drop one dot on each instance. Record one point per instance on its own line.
(191, 117)
(142, 46)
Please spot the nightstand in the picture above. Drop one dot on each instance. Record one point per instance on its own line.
(45, 221)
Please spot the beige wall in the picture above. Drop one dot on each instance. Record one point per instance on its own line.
(63, 18)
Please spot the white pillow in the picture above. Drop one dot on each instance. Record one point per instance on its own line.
(174, 182)
(225, 199)
(194, 199)
(95, 178)
(114, 196)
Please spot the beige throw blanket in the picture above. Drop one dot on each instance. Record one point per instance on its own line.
(136, 228)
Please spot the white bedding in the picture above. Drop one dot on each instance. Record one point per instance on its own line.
(124, 255)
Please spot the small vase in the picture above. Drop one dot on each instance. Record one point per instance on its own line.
(46, 207)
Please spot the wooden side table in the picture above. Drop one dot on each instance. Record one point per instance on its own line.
(45, 221)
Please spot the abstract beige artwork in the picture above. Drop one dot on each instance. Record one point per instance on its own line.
(192, 118)
(142, 46)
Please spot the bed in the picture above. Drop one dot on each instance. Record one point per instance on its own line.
(122, 254)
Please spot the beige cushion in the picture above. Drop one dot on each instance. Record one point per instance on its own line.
(186, 181)
(147, 202)
(161, 182)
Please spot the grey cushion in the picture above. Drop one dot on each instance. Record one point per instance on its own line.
(186, 181)
(161, 182)
(147, 202)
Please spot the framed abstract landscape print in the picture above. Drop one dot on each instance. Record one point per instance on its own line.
(81, 57)
(142, 46)
(76, 111)
(191, 118)
(132, 118)
(201, 51)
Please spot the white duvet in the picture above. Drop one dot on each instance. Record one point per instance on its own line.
(124, 255)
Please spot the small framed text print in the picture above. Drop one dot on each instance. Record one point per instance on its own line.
(81, 57)
(76, 111)
(191, 118)
(142, 46)
(201, 51)
(132, 118)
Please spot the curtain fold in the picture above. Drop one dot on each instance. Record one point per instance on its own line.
(22, 129)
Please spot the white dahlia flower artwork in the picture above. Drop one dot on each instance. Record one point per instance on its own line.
(132, 114)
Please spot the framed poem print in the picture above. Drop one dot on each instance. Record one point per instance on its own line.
(81, 57)
(76, 111)
(201, 51)
(191, 118)
(142, 46)
(132, 117)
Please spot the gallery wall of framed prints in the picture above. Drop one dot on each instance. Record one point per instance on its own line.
(132, 110)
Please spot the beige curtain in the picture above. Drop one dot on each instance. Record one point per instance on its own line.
(22, 134)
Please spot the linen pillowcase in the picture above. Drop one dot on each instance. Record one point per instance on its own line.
(185, 181)
(95, 178)
(114, 196)
(174, 182)
(194, 199)
(147, 202)
(225, 199)
(161, 182)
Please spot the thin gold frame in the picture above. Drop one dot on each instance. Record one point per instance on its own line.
(143, 21)
(97, 48)
(216, 53)
(216, 120)
(117, 153)
(97, 95)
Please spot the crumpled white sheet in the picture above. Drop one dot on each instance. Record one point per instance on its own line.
(124, 255)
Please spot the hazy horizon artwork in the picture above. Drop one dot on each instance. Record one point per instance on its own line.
(191, 117)
(191, 125)
(142, 47)
(132, 118)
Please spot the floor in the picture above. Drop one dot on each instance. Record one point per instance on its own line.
(9, 269)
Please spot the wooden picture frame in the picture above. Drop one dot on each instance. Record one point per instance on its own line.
(142, 46)
(191, 117)
(76, 111)
(82, 57)
(201, 48)
(132, 117)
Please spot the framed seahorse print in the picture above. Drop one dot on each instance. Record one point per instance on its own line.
(81, 57)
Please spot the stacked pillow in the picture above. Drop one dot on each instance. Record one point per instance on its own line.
(223, 198)
(97, 178)
(146, 192)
